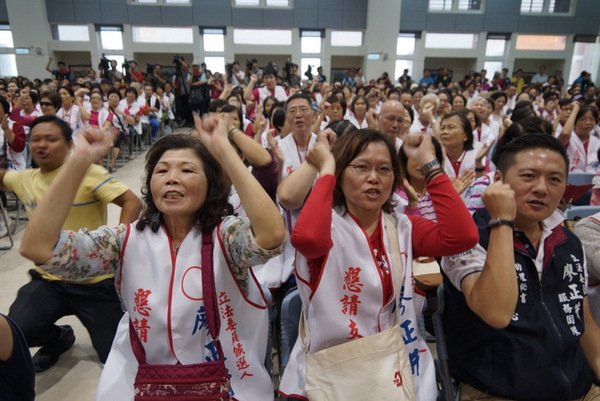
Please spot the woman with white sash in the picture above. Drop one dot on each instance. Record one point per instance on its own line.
(344, 264)
(582, 148)
(158, 261)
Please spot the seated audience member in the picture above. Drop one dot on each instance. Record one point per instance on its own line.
(49, 103)
(390, 121)
(526, 126)
(12, 147)
(17, 378)
(270, 88)
(588, 231)
(582, 147)
(262, 122)
(565, 110)
(46, 298)
(359, 109)
(456, 137)
(70, 111)
(426, 121)
(333, 109)
(25, 111)
(413, 197)
(12, 139)
(483, 108)
(459, 102)
(445, 106)
(187, 206)
(520, 326)
(358, 221)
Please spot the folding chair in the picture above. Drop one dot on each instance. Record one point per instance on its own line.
(291, 307)
(578, 178)
(7, 222)
(579, 212)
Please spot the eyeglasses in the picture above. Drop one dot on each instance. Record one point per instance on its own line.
(364, 169)
(392, 119)
(46, 104)
(301, 110)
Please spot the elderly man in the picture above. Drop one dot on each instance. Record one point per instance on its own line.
(390, 121)
(519, 325)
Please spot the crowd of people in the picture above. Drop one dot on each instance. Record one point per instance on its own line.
(315, 185)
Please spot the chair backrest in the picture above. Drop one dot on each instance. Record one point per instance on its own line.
(575, 212)
(291, 307)
(578, 178)
(447, 391)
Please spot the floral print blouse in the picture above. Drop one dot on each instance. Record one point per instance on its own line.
(80, 255)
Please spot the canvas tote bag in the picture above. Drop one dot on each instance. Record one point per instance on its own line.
(374, 367)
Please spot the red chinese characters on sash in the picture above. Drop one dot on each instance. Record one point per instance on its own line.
(351, 299)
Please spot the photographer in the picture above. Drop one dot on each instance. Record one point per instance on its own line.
(156, 78)
(183, 111)
(199, 89)
(252, 68)
(291, 74)
(104, 67)
(235, 75)
(114, 74)
(133, 75)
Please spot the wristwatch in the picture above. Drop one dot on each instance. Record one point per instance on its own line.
(430, 166)
(500, 222)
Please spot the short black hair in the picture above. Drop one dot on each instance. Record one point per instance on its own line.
(298, 95)
(525, 126)
(216, 104)
(115, 91)
(338, 99)
(531, 141)
(53, 97)
(65, 129)
(466, 126)
(439, 155)
(5, 105)
(341, 127)
(131, 90)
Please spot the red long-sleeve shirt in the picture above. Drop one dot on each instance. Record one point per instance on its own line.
(18, 144)
(454, 232)
(25, 121)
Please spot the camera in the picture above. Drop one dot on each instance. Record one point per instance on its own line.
(308, 73)
(250, 64)
(104, 62)
(177, 59)
(149, 69)
(104, 66)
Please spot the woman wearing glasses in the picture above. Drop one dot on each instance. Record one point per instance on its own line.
(351, 294)
(50, 102)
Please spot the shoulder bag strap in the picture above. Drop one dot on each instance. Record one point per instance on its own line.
(209, 295)
(118, 118)
(391, 226)
(209, 292)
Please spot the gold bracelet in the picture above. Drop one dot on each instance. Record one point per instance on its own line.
(231, 132)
